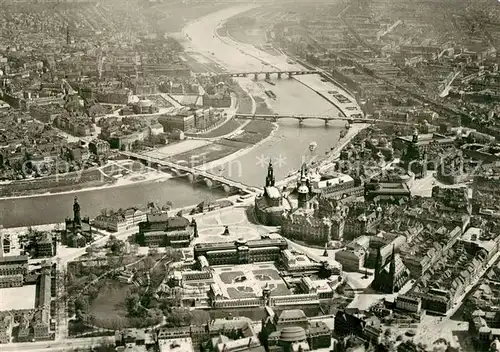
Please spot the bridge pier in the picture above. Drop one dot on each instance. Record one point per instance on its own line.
(268, 75)
(209, 182)
(279, 75)
(255, 76)
(176, 172)
(289, 75)
(301, 121)
(326, 123)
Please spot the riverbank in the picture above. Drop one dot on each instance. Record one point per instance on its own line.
(325, 164)
(232, 157)
(152, 176)
(237, 143)
(351, 133)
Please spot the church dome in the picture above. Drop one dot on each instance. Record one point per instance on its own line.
(303, 189)
(495, 345)
(293, 334)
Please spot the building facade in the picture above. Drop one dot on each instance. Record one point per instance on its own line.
(241, 251)
(269, 206)
(161, 230)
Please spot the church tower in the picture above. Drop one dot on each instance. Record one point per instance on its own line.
(392, 269)
(270, 180)
(76, 213)
(378, 263)
(415, 137)
(194, 225)
(303, 188)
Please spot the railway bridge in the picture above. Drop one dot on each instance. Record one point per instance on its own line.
(193, 174)
(326, 119)
(267, 74)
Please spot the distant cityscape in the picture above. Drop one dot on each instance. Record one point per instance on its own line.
(266, 176)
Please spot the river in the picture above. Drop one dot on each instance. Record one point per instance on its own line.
(288, 147)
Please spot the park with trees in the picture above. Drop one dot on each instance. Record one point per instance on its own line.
(118, 290)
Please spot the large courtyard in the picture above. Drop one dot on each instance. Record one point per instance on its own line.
(248, 280)
(17, 298)
(211, 226)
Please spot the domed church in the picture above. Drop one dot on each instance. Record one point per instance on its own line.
(270, 205)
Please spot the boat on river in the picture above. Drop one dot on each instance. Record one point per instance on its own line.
(270, 94)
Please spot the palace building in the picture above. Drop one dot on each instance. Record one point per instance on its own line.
(266, 249)
(13, 268)
(161, 230)
(293, 331)
(313, 211)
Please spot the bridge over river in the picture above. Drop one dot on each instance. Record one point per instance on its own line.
(267, 74)
(193, 174)
(326, 119)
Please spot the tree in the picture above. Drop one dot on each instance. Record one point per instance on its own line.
(115, 245)
(173, 255)
(178, 317)
(133, 304)
(82, 304)
(155, 316)
(90, 250)
(199, 317)
(174, 299)
(149, 262)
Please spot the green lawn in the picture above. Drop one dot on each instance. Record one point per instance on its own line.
(240, 292)
(110, 303)
(229, 277)
(223, 129)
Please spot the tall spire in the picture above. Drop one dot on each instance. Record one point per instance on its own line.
(378, 263)
(270, 180)
(76, 212)
(303, 171)
(1, 244)
(392, 268)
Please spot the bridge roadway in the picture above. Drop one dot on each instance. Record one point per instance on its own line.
(193, 173)
(301, 118)
(268, 74)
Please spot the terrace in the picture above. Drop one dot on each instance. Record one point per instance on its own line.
(247, 281)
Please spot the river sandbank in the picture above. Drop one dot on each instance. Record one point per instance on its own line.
(151, 176)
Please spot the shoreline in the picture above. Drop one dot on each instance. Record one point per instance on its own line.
(229, 158)
(325, 164)
(148, 178)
